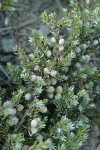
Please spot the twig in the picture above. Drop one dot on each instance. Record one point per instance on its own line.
(6, 74)
(18, 127)
(21, 122)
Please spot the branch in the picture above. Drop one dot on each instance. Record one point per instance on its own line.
(4, 71)
(18, 127)
(21, 122)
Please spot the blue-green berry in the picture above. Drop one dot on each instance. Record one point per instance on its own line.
(77, 50)
(59, 89)
(50, 89)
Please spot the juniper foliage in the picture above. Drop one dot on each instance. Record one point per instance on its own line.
(6, 5)
(55, 85)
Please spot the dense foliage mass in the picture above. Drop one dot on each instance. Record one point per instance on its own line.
(54, 86)
(6, 4)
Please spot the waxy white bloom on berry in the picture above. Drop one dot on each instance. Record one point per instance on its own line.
(28, 96)
(48, 81)
(20, 107)
(34, 123)
(88, 42)
(65, 69)
(61, 41)
(50, 89)
(36, 67)
(53, 40)
(87, 1)
(33, 78)
(10, 111)
(84, 46)
(58, 96)
(43, 109)
(53, 73)
(53, 81)
(50, 95)
(87, 58)
(77, 50)
(61, 48)
(8, 104)
(95, 42)
(78, 65)
(48, 54)
(46, 71)
(13, 111)
(13, 121)
(59, 89)
(31, 56)
(68, 64)
(34, 130)
(25, 147)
